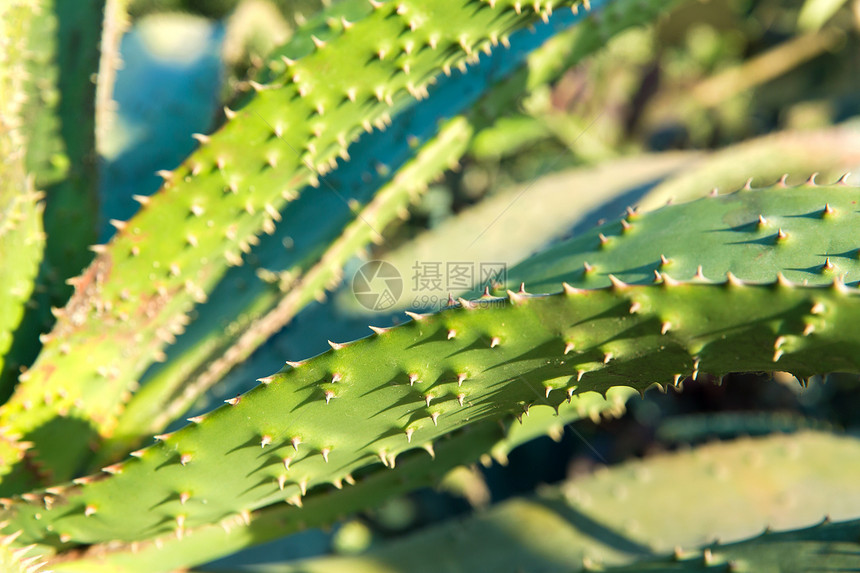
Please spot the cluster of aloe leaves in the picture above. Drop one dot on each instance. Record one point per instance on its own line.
(336, 136)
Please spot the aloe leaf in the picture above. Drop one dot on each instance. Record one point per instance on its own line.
(751, 233)
(748, 235)
(62, 56)
(317, 421)
(22, 243)
(71, 210)
(45, 157)
(138, 292)
(22, 239)
(323, 506)
(21, 236)
(634, 512)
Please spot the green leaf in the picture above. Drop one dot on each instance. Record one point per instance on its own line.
(324, 505)
(318, 421)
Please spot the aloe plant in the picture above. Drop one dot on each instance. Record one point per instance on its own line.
(338, 134)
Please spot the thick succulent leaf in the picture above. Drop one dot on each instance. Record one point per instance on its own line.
(71, 210)
(324, 506)
(805, 232)
(38, 86)
(645, 508)
(137, 293)
(22, 240)
(21, 237)
(725, 229)
(319, 420)
(62, 57)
